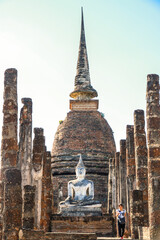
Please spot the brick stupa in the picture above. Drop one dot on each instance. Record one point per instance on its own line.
(84, 131)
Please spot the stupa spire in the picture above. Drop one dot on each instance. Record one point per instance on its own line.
(83, 89)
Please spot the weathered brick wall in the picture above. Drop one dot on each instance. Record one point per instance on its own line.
(141, 159)
(153, 135)
(87, 133)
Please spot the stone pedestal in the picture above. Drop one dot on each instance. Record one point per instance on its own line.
(81, 211)
(100, 225)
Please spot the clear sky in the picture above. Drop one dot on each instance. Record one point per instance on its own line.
(40, 38)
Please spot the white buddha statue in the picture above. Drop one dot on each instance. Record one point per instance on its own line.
(80, 192)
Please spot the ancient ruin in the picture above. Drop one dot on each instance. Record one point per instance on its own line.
(41, 196)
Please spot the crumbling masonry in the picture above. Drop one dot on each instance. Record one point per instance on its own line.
(34, 180)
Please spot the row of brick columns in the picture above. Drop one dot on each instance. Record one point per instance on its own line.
(134, 177)
(25, 186)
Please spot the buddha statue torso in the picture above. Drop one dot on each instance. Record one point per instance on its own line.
(80, 190)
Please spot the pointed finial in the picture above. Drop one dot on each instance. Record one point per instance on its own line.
(83, 89)
(80, 163)
(82, 21)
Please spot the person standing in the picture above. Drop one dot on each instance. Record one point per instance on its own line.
(121, 213)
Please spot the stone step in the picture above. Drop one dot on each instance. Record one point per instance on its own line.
(113, 238)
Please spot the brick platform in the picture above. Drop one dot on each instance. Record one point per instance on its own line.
(101, 226)
(40, 235)
(70, 236)
(112, 238)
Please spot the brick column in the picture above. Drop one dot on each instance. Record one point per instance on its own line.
(137, 212)
(25, 145)
(113, 184)
(117, 178)
(11, 177)
(122, 172)
(29, 207)
(141, 159)
(110, 186)
(46, 203)
(9, 130)
(25, 141)
(37, 171)
(130, 162)
(153, 135)
(130, 170)
(38, 149)
(1, 204)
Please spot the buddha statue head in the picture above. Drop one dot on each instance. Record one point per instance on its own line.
(80, 169)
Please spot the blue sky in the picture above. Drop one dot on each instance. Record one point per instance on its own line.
(40, 39)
